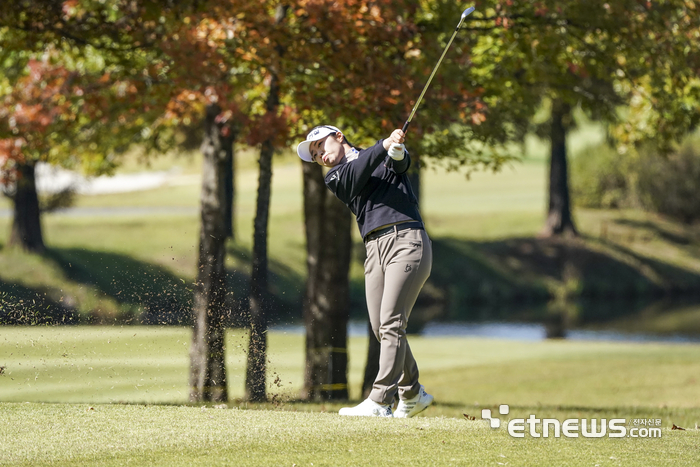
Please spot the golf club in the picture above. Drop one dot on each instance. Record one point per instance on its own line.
(461, 20)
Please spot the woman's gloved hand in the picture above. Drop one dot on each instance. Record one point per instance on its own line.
(396, 151)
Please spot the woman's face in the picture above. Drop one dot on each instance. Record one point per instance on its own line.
(328, 151)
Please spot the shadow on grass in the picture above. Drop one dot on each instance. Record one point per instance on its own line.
(20, 305)
(144, 293)
(25, 306)
(147, 293)
(517, 278)
(159, 297)
(665, 278)
(286, 287)
(664, 233)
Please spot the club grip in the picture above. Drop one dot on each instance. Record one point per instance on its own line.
(405, 126)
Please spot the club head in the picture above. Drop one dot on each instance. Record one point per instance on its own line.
(467, 12)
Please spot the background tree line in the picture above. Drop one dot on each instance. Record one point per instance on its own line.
(83, 81)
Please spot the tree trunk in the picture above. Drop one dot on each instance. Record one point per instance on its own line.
(327, 300)
(559, 220)
(207, 363)
(259, 294)
(26, 224)
(258, 301)
(230, 221)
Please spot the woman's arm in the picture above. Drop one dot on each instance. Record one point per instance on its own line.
(348, 180)
(401, 163)
(400, 166)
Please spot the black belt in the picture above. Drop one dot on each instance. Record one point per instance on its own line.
(392, 228)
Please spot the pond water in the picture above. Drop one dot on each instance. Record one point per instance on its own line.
(656, 321)
(511, 331)
(536, 332)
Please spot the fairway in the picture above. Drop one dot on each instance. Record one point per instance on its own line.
(52, 373)
(153, 435)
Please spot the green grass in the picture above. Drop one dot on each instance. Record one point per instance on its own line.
(63, 379)
(100, 364)
(138, 435)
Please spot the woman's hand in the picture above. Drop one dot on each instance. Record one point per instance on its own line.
(396, 137)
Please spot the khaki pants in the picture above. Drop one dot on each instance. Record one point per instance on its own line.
(397, 266)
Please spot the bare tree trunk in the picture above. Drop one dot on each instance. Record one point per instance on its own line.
(230, 221)
(327, 301)
(207, 363)
(259, 300)
(559, 220)
(26, 223)
(259, 295)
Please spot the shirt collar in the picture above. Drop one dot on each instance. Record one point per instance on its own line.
(352, 154)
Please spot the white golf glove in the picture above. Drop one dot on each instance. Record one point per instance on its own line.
(396, 151)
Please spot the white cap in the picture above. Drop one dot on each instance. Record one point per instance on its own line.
(316, 134)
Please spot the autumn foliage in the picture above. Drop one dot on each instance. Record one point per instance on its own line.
(359, 64)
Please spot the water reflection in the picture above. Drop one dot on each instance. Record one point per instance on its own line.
(639, 320)
(619, 320)
(537, 332)
(511, 331)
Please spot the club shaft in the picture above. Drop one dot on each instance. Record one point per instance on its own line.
(425, 88)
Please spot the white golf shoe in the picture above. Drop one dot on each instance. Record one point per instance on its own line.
(410, 407)
(368, 408)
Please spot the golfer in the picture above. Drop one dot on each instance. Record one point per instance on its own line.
(373, 184)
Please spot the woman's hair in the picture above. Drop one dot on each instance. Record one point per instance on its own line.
(346, 140)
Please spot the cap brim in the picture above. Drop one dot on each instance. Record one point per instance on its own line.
(303, 151)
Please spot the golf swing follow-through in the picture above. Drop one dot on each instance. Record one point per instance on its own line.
(373, 183)
(466, 13)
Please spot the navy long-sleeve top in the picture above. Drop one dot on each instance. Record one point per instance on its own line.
(376, 188)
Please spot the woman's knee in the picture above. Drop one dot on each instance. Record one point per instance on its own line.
(395, 327)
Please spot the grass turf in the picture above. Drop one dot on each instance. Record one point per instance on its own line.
(57, 371)
(153, 435)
